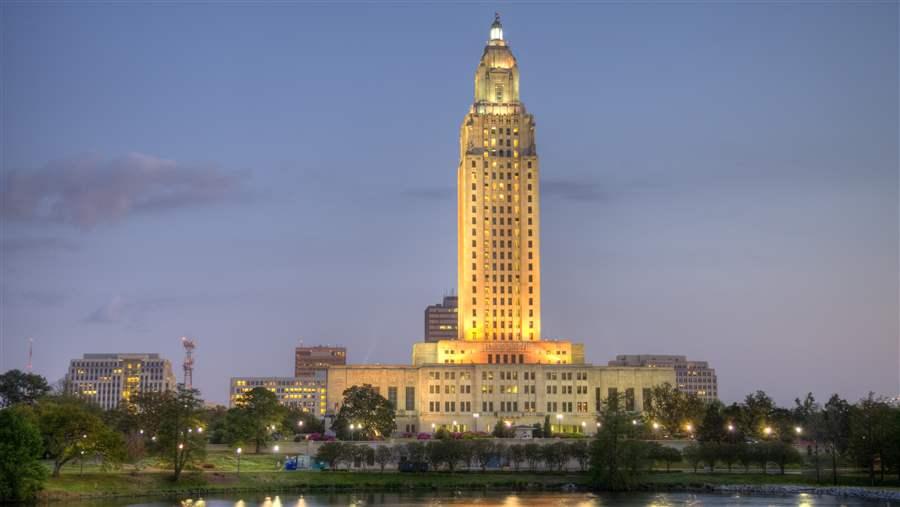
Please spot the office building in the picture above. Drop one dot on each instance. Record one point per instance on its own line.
(306, 392)
(440, 320)
(694, 377)
(310, 359)
(108, 379)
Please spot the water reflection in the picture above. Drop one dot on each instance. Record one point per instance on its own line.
(482, 499)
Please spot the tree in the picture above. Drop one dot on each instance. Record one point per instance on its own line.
(580, 452)
(21, 472)
(617, 458)
(810, 417)
(756, 414)
(173, 419)
(555, 455)
(782, 454)
(415, 452)
(434, 454)
(295, 420)
(331, 454)
(836, 430)
(71, 429)
(383, 456)
(484, 451)
(532, 455)
(667, 455)
(693, 456)
(257, 413)
(17, 386)
(673, 409)
(709, 453)
(713, 427)
(516, 455)
(363, 406)
(869, 431)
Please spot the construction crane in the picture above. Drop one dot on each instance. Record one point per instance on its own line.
(188, 364)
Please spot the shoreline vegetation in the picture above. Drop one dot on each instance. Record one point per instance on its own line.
(93, 485)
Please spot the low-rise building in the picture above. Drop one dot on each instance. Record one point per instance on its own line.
(305, 392)
(108, 379)
(475, 397)
(695, 377)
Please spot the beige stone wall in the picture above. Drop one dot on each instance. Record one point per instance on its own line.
(517, 393)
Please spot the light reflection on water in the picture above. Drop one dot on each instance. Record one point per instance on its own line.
(480, 499)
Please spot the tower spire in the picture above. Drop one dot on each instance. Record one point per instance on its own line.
(496, 28)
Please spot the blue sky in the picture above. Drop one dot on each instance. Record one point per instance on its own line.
(719, 180)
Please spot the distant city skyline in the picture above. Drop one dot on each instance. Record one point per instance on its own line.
(719, 182)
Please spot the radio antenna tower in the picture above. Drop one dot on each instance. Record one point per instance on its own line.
(30, 342)
(188, 364)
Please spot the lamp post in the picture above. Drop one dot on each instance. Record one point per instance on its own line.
(559, 418)
(584, 427)
(798, 430)
(238, 452)
(476, 415)
(455, 427)
(81, 459)
(277, 462)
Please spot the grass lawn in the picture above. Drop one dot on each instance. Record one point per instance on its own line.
(258, 473)
(159, 483)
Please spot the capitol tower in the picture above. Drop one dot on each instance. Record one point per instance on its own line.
(499, 270)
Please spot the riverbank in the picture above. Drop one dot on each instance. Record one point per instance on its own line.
(159, 484)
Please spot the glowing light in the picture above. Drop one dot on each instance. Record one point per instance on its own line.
(798, 430)
(767, 430)
(275, 448)
(655, 425)
(730, 427)
(238, 450)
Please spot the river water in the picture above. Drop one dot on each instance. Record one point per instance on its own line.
(492, 499)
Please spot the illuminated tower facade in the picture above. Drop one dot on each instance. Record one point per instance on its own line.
(499, 260)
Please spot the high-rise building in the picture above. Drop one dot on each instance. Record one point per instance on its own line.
(499, 370)
(441, 320)
(695, 377)
(499, 260)
(306, 392)
(107, 379)
(317, 357)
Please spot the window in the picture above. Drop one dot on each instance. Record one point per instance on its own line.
(646, 401)
(392, 396)
(410, 398)
(629, 399)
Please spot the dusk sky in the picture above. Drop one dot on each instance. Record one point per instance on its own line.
(719, 180)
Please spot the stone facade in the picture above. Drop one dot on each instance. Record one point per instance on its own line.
(475, 397)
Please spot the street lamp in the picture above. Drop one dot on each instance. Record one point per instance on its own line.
(767, 430)
(559, 418)
(455, 428)
(655, 425)
(476, 415)
(82, 462)
(798, 430)
(238, 452)
(730, 427)
(277, 461)
(689, 427)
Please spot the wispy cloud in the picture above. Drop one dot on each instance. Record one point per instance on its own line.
(27, 244)
(430, 193)
(572, 190)
(121, 310)
(30, 297)
(88, 191)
